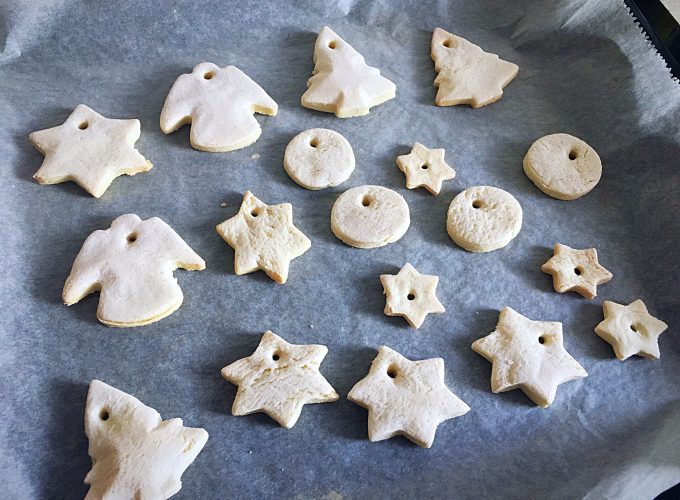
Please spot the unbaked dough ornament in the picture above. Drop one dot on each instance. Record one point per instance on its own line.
(411, 295)
(576, 270)
(405, 397)
(467, 74)
(131, 264)
(342, 82)
(90, 150)
(528, 355)
(631, 330)
(263, 238)
(135, 454)
(425, 167)
(219, 104)
(279, 379)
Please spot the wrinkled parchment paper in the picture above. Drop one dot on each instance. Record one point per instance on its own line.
(585, 69)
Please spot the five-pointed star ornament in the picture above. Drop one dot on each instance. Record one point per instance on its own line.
(631, 330)
(279, 379)
(576, 270)
(528, 355)
(263, 237)
(90, 150)
(405, 397)
(411, 295)
(425, 167)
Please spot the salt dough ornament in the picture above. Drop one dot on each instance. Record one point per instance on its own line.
(467, 74)
(425, 167)
(219, 104)
(279, 379)
(528, 355)
(405, 397)
(90, 150)
(631, 330)
(131, 264)
(135, 454)
(411, 295)
(263, 238)
(576, 270)
(342, 82)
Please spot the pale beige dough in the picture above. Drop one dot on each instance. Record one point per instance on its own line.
(411, 295)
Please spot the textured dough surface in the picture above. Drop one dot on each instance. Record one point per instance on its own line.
(425, 167)
(342, 82)
(576, 270)
(132, 265)
(319, 158)
(370, 216)
(135, 454)
(563, 166)
(219, 104)
(411, 295)
(483, 218)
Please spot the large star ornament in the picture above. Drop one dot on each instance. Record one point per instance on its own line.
(528, 355)
(405, 397)
(263, 237)
(279, 379)
(425, 167)
(90, 150)
(631, 330)
(576, 270)
(411, 295)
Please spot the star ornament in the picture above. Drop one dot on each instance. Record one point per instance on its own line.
(279, 379)
(405, 397)
(576, 270)
(263, 238)
(528, 355)
(426, 168)
(90, 150)
(411, 295)
(631, 330)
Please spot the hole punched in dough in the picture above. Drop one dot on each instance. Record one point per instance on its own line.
(366, 201)
(392, 371)
(255, 212)
(541, 339)
(411, 296)
(578, 271)
(83, 125)
(573, 154)
(634, 327)
(276, 356)
(425, 166)
(477, 204)
(132, 237)
(104, 414)
(208, 75)
(332, 44)
(314, 142)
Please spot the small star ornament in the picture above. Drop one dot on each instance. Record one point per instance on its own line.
(90, 150)
(576, 270)
(411, 295)
(405, 397)
(279, 379)
(426, 168)
(631, 330)
(528, 355)
(263, 237)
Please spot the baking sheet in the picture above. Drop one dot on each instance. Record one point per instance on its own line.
(585, 69)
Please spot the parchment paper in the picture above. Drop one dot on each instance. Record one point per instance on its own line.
(585, 69)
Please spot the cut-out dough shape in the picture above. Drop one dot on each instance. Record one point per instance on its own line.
(279, 379)
(135, 454)
(631, 330)
(528, 355)
(411, 295)
(370, 216)
(131, 265)
(465, 73)
(563, 166)
(90, 150)
(342, 82)
(319, 158)
(576, 270)
(263, 238)
(425, 167)
(405, 397)
(219, 104)
(483, 218)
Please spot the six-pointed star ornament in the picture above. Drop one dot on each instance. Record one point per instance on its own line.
(576, 270)
(631, 330)
(425, 167)
(528, 355)
(263, 237)
(405, 397)
(90, 150)
(411, 295)
(279, 379)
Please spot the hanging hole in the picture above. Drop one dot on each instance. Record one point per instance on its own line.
(477, 204)
(411, 296)
(366, 201)
(425, 166)
(448, 43)
(83, 125)
(314, 142)
(573, 154)
(104, 414)
(276, 356)
(541, 339)
(255, 212)
(578, 271)
(332, 44)
(392, 371)
(132, 237)
(634, 327)
(208, 75)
